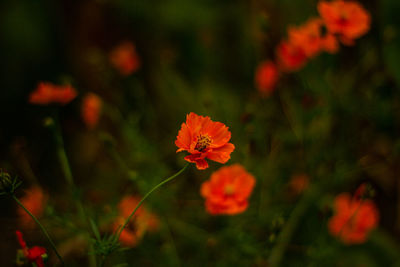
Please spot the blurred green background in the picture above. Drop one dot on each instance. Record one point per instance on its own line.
(337, 120)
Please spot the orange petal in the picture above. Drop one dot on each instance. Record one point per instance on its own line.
(221, 154)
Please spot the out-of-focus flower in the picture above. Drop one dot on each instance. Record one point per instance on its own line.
(48, 93)
(204, 138)
(310, 38)
(353, 219)
(141, 222)
(34, 200)
(32, 255)
(329, 44)
(91, 109)
(228, 190)
(347, 19)
(124, 58)
(298, 183)
(266, 77)
(291, 57)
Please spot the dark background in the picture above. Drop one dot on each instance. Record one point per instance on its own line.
(337, 120)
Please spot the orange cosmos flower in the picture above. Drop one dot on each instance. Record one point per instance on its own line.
(124, 58)
(32, 255)
(266, 77)
(353, 219)
(204, 138)
(349, 20)
(228, 190)
(91, 108)
(291, 56)
(310, 38)
(34, 200)
(48, 93)
(138, 225)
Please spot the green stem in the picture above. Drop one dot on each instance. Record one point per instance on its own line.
(286, 234)
(41, 227)
(145, 196)
(66, 169)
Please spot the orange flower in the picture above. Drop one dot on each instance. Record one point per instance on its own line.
(266, 77)
(228, 190)
(310, 38)
(48, 93)
(34, 200)
(291, 57)
(349, 20)
(138, 225)
(353, 219)
(203, 138)
(124, 58)
(91, 107)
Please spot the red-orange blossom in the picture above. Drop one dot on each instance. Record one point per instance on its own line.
(204, 139)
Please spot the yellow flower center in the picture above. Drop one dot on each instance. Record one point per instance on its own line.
(203, 141)
(229, 190)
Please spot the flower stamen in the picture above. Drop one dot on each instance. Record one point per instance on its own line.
(203, 142)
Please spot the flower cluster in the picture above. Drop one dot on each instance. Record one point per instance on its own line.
(229, 188)
(339, 21)
(354, 218)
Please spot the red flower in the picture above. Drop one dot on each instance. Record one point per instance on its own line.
(349, 20)
(228, 190)
(34, 200)
(353, 219)
(291, 57)
(204, 138)
(138, 225)
(33, 255)
(124, 58)
(266, 77)
(91, 108)
(48, 93)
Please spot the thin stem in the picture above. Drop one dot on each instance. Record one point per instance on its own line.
(66, 169)
(145, 196)
(103, 260)
(41, 227)
(286, 234)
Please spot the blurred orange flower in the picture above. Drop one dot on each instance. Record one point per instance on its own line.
(291, 56)
(353, 219)
(91, 108)
(48, 93)
(310, 38)
(204, 138)
(228, 190)
(298, 183)
(266, 77)
(349, 19)
(138, 225)
(124, 58)
(34, 200)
